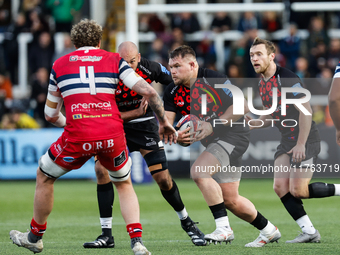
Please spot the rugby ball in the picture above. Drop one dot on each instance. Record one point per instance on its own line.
(191, 121)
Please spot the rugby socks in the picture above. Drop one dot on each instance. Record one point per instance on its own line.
(105, 196)
(306, 225)
(173, 197)
(135, 231)
(337, 189)
(259, 222)
(320, 189)
(220, 215)
(265, 226)
(268, 230)
(293, 205)
(36, 232)
(183, 215)
(295, 208)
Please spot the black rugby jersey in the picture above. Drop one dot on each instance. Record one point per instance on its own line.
(283, 78)
(188, 101)
(150, 71)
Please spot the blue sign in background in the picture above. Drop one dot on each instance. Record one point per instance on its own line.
(20, 151)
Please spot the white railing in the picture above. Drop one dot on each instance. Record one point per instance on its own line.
(219, 38)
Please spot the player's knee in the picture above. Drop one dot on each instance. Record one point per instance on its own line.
(277, 189)
(101, 171)
(281, 188)
(297, 192)
(163, 180)
(49, 168)
(156, 161)
(123, 174)
(197, 175)
(199, 181)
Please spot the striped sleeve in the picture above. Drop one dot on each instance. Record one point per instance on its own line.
(337, 71)
(127, 74)
(53, 82)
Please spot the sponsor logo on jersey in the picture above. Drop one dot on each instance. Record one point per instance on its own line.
(85, 58)
(68, 159)
(90, 106)
(77, 116)
(119, 159)
(173, 90)
(129, 102)
(144, 68)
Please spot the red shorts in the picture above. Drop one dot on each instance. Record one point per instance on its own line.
(112, 153)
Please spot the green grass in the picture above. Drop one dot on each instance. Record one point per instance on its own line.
(75, 219)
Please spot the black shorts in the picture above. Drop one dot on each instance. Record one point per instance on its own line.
(143, 135)
(312, 151)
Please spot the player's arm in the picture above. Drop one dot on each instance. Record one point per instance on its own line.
(53, 104)
(171, 116)
(134, 114)
(334, 105)
(182, 136)
(305, 123)
(137, 84)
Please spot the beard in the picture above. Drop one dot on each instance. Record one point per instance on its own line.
(180, 82)
(263, 69)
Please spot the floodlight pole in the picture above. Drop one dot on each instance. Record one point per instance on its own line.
(131, 21)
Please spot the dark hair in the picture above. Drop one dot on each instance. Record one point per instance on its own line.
(182, 51)
(270, 47)
(86, 33)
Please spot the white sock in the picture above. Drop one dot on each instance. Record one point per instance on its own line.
(337, 190)
(306, 225)
(106, 222)
(268, 229)
(222, 222)
(182, 215)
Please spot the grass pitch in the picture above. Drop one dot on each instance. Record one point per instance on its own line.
(75, 220)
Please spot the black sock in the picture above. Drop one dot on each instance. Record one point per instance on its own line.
(321, 189)
(186, 220)
(293, 205)
(218, 210)
(173, 197)
(105, 196)
(33, 238)
(260, 221)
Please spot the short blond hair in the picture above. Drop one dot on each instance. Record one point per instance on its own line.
(86, 33)
(270, 47)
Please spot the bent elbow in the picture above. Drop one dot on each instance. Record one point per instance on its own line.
(50, 119)
(150, 94)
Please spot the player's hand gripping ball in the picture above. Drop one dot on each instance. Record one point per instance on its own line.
(191, 121)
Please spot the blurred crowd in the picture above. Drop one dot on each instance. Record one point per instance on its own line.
(314, 56)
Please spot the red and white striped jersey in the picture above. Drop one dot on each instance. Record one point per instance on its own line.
(87, 79)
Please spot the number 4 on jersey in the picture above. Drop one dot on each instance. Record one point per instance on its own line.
(90, 80)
